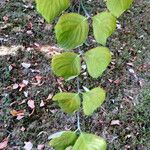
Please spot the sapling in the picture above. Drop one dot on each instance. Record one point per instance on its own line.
(71, 31)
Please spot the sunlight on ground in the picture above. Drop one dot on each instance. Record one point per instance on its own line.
(4, 50)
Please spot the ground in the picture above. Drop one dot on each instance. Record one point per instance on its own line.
(27, 44)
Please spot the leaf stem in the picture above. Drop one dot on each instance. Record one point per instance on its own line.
(85, 11)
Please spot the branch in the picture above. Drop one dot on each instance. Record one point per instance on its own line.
(85, 11)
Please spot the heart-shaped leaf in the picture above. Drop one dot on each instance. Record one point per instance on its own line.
(92, 100)
(67, 139)
(117, 7)
(69, 102)
(104, 24)
(66, 65)
(50, 9)
(89, 142)
(71, 30)
(97, 60)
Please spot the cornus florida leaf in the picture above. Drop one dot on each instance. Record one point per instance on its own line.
(67, 139)
(66, 65)
(104, 24)
(49, 9)
(117, 7)
(71, 30)
(89, 142)
(97, 60)
(92, 100)
(69, 102)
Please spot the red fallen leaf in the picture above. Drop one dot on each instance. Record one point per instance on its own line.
(16, 113)
(4, 143)
(31, 104)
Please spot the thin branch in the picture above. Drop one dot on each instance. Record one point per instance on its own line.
(85, 11)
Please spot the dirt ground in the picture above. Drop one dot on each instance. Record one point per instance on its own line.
(27, 44)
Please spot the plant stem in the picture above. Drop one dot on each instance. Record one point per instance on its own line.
(78, 113)
(78, 121)
(85, 11)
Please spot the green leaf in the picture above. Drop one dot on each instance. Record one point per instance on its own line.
(97, 60)
(89, 142)
(71, 30)
(92, 100)
(117, 7)
(50, 9)
(104, 24)
(69, 102)
(67, 65)
(67, 139)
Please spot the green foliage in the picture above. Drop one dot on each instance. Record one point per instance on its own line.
(92, 100)
(104, 24)
(117, 7)
(67, 139)
(97, 60)
(89, 142)
(69, 102)
(49, 9)
(71, 30)
(66, 65)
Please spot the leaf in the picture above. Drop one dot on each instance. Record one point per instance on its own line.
(67, 139)
(26, 65)
(50, 9)
(92, 100)
(28, 146)
(71, 30)
(31, 104)
(67, 65)
(117, 7)
(4, 143)
(89, 142)
(104, 24)
(97, 60)
(69, 102)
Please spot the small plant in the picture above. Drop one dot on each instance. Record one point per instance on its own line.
(71, 32)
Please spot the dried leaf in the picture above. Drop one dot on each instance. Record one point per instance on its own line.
(16, 113)
(41, 147)
(28, 146)
(3, 144)
(31, 104)
(42, 103)
(115, 122)
(15, 86)
(26, 65)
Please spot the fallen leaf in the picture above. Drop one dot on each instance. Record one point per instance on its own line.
(42, 103)
(26, 93)
(115, 122)
(38, 79)
(26, 65)
(3, 144)
(28, 145)
(16, 113)
(15, 86)
(40, 147)
(22, 85)
(25, 82)
(49, 97)
(31, 104)
(23, 129)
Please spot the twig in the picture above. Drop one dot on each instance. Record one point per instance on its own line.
(85, 11)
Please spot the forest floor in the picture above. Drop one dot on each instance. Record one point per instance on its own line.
(27, 44)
